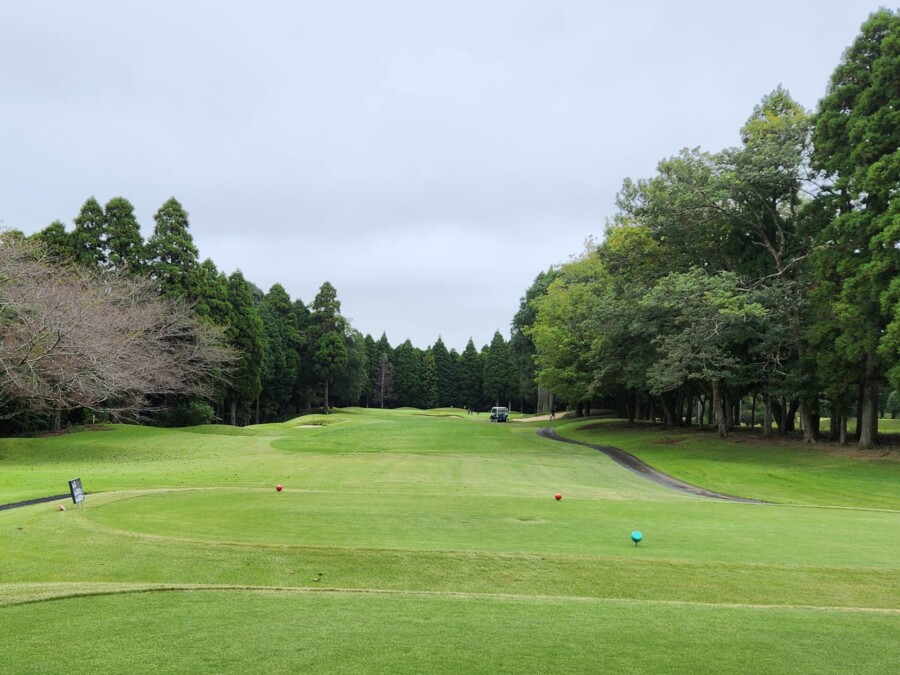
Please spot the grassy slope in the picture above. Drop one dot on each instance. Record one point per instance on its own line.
(398, 530)
(745, 465)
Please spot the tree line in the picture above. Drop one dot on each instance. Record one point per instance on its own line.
(767, 272)
(254, 356)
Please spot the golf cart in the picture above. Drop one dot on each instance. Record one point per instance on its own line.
(499, 414)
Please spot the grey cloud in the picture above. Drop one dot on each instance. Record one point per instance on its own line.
(429, 159)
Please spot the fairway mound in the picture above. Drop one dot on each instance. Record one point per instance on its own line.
(639, 467)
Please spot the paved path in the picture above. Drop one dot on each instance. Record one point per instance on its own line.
(29, 502)
(632, 463)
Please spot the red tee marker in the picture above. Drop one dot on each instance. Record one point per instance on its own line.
(558, 496)
(278, 487)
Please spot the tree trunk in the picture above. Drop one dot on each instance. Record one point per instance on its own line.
(728, 406)
(793, 407)
(719, 407)
(678, 408)
(859, 412)
(843, 430)
(753, 412)
(544, 401)
(668, 417)
(806, 421)
(834, 432)
(257, 408)
(867, 423)
(233, 413)
(767, 416)
(785, 414)
(782, 420)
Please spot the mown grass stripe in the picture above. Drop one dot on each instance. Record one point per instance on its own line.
(168, 588)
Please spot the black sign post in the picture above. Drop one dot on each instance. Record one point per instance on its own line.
(76, 490)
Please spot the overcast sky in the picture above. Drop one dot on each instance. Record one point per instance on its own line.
(427, 158)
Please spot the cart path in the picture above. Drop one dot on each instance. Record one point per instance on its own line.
(29, 502)
(644, 470)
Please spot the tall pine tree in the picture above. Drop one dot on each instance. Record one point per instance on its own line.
(245, 333)
(497, 372)
(327, 330)
(856, 140)
(125, 249)
(172, 254)
(88, 237)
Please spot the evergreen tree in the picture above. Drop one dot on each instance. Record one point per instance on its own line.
(210, 293)
(124, 244)
(281, 357)
(57, 243)
(350, 380)
(470, 377)
(497, 373)
(245, 333)
(429, 381)
(171, 253)
(856, 140)
(304, 392)
(444, 373)
(372, 359)
(327, 330)
(88, 237)
(408, 376)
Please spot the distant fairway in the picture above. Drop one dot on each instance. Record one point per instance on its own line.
(430, 542)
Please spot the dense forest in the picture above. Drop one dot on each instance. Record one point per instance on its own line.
(765, 274)
(77, 301)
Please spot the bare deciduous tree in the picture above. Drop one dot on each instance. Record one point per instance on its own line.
(72, 338)
(383, 380)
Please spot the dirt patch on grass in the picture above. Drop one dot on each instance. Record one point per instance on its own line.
(668, 440)
(622, 425)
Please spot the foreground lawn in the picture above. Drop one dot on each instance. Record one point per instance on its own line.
(290, 632)
(406, 541)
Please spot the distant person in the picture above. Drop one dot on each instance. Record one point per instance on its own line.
(552, 414)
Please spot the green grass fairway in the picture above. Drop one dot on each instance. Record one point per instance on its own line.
(430, 541)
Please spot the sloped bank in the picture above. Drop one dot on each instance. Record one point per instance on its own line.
(644, 470)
